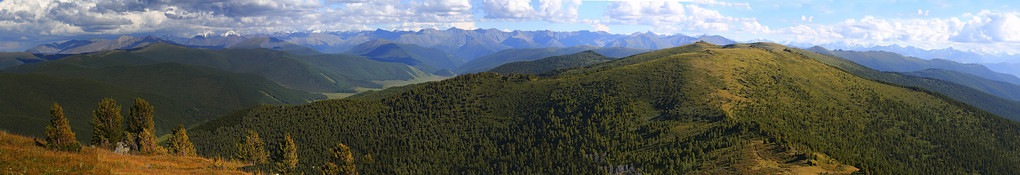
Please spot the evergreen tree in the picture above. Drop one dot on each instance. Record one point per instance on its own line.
(146, 143)
(179, 143)
(106, 121)
(251, 149)
(59, 136)
(140, 117)
(341, 161)
(286, 159)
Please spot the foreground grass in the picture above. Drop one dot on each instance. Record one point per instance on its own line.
(20, 155)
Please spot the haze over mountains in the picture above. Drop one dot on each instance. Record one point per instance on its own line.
(467, 44)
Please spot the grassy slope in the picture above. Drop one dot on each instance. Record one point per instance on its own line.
(1000, 106)
(552, 63)
(698, 108)
(22, 156)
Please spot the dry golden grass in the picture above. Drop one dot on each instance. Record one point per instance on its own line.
(20, 155)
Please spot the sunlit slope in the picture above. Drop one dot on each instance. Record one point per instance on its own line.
(698, 108)
(21, 155)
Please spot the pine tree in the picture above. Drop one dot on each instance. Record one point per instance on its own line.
(286, 159)
(252, 149)
(59, 136)
(179, 143)
(146, 143)
(340, 162)
(106, 121)
(140, 117)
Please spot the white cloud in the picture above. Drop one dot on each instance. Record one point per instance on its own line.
(54, 18)
(872, 30)
(558, 11)
(807, 18)
(600, 27)
(988, 27)
(671, 16)
(699, 2)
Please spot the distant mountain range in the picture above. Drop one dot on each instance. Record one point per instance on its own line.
(971, 75)
(889, 61)
(998, 63)
(466, 44)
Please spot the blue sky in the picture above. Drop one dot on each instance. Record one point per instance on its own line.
(981, 26)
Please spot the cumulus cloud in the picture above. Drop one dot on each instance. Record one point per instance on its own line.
(54, 18)
(671, 16)
(872, 30)
(560, 11)
(986, 27)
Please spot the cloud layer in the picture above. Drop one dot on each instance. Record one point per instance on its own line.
(24, 21)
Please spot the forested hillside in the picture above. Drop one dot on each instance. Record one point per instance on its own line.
(184, 94)
(699, 108)
(552, 63)
(314, 73)
(1002, 89)
(491, 61)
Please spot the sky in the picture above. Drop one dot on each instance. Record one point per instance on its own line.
(991, 27)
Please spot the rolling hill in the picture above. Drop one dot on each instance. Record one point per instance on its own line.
(889, 61)
(96, 45)
(9, 59)
(514, 55)
(313, 73)
(700, 109)
(997, 88)
(584, 58)
(425, 59)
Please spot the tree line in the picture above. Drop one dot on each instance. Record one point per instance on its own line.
(109, 132)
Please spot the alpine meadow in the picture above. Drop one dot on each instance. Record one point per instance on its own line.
(509, 87)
